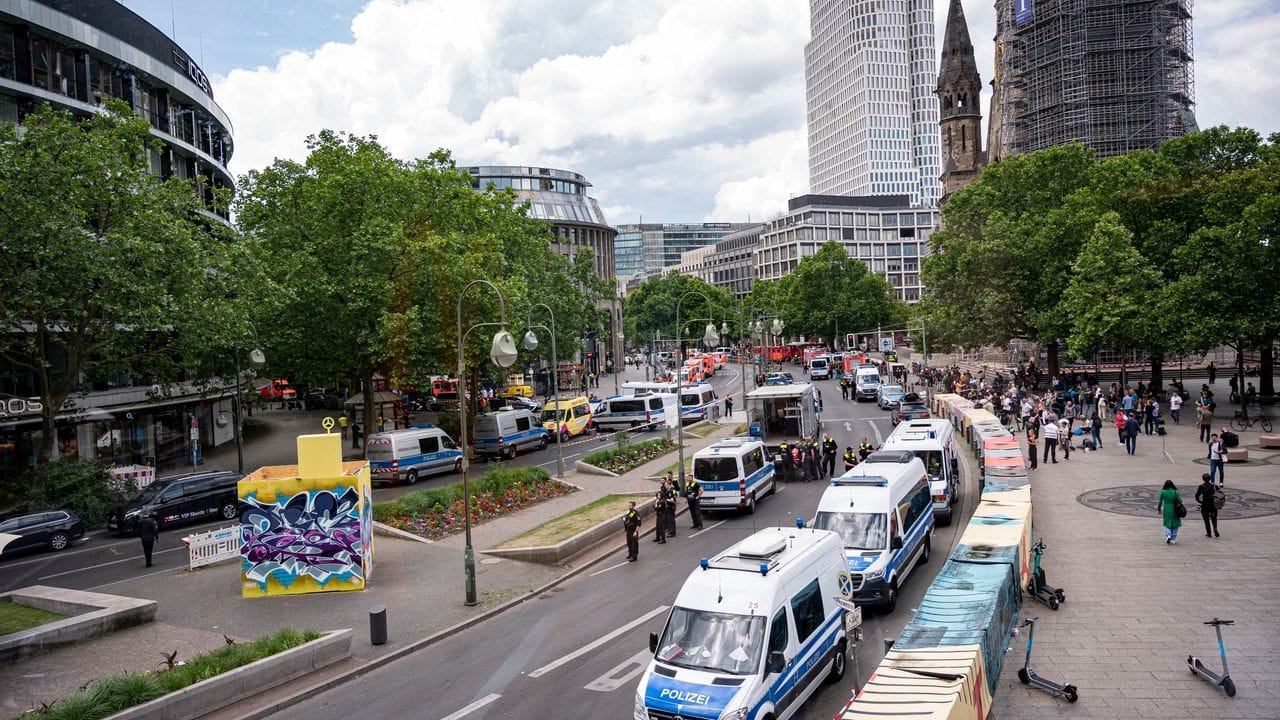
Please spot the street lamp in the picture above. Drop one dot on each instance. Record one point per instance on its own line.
(502, 352)
(709, 337)
(531, 343)
(256, 360)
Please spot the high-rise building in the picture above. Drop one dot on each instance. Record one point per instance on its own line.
(650, 248)
(960, 91)
(872, 112)
(1114, 75)
(730, 264)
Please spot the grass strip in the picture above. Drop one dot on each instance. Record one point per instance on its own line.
(631, 456)
(571, 523)
(114, 693)
(16, 618)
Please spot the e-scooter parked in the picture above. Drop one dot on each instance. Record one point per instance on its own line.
(1039, 589)
(1224, 680)
(1029, 676)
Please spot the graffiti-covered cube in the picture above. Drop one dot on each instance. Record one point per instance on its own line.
(308, 527)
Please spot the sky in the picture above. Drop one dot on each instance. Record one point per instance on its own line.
(674, 110)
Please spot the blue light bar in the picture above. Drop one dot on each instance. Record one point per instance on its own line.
(764, 568)
(704, 563)
(799, 522)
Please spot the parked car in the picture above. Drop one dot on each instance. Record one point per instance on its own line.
(52, 529)
(515, 403)
(179, 499)
(911, 407)
(888, 396)
(279, 390)
(323, 399)
(778, 378)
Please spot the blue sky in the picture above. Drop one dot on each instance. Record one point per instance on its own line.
(675, 110)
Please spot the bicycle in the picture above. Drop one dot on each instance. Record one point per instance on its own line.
(1242, 422)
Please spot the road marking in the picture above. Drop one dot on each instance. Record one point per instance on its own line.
(876, 430)
(133, 577)
(713, 527)
(67, 553)
(616, 678)
(545, 464)
(112, 562)
(847, 427)
(473, 707)
(611, 567)
(592, 646)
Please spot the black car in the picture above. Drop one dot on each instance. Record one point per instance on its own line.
(52, 529)
(911, 407)
(184, 498)
(322, 399)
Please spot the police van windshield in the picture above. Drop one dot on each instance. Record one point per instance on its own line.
(932, 460)
(715, 469)
(716, 642)
(859, 531)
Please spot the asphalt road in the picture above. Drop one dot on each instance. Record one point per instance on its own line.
(578, 650)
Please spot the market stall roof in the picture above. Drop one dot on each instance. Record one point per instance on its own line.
(380, 397)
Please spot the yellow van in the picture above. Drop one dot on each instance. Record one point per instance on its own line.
(525, 391)
(567, 418)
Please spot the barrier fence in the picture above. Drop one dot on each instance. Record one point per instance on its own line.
(214, 546)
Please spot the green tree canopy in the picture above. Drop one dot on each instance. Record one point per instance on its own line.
(651, 308)
(830, 293)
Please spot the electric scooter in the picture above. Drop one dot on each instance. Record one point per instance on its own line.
(1038, 588)
(1197, 667)
(1029, 676)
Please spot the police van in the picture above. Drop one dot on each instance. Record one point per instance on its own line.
(507, 432)
(934, 442)
(753, 632)
(820, 367)
(882, 510)
(734, 474)
(410, 453)
(866, 382)
(698, 401)
(642, 411)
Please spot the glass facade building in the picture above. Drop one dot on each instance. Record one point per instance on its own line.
(872, 111)
(650, 248)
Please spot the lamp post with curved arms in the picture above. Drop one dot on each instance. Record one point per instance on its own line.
(256, 360)
(503, 353)
(531, 343)
(709, 337)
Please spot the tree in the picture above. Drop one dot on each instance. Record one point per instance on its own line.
(103, 264)
(830, 292)
(651, 307)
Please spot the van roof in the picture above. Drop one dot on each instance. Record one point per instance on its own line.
(732, 581)
(558, 404)
(729, 447)
(773, 391)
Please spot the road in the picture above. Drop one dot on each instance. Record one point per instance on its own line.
(578, 650)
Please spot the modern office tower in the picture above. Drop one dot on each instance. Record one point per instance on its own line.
(1115, 75)
(650, 248)
(872, 112)
(959, 91)
(730, 264)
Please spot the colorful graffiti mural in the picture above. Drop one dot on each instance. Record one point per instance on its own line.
(307, 528)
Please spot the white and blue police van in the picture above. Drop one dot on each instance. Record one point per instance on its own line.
(506, 432)
(753, 632)
(934, 442)
(866, 383)
(734, 474)
(698, 401)
(642, 411)
(411, 453)
(820, 367)
(882, 512)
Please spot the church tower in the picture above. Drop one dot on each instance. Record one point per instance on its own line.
(959, 91)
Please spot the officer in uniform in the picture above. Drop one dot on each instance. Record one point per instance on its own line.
(673, 493)
(693, 493)
(864, 449)
(850, 459)
(829, 450)
(785, 452)
(631, 524)
(660, 501)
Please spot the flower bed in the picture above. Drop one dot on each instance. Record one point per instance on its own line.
(439, 512)
(630, 457)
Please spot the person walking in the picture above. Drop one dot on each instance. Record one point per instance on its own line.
(1213, 373)
(1216, 458)
(829, 450)
(1050, 441)
(149, 533)
(342, 425)
(1064, 438)
(1095, 428)
(728, 406)
(1206, 495)
(1168, 504)
(1131, 434)
(693, 494)
(1204, 416)
(631, 524)
(1032, 442)
(1175, 407)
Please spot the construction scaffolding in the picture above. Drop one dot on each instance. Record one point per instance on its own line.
(1114, 75)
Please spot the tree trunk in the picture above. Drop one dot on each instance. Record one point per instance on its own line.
(1266, 383)
(370, 412)
(1157, 373)
(1053, 359)
(1240, 371)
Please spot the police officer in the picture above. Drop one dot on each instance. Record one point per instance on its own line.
(631, 524)
(148, 532)
(850, 459)
(864, 449)
(673, 493)
(829, 450)
(785, 452)
(660, 500)
(844, 387)
(693, 493)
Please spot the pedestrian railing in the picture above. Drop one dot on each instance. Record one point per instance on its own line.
(214, 546)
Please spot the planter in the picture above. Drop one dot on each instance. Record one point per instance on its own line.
(585, 540)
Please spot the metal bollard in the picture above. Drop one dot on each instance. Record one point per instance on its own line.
(378, 625)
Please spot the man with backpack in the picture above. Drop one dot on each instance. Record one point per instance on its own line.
(1210, 499)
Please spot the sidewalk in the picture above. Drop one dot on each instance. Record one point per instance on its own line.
(1134, 604)
(421, 584)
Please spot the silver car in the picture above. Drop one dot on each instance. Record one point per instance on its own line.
(888, 396)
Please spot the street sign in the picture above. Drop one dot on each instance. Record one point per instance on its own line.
(844, 582)
(853, 616)
(886, 344)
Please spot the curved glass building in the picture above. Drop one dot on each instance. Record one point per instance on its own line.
(76, 54)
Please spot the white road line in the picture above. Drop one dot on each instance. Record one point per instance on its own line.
(68, 553)
(545, 464)
(876, 430)
(611, 567)
(713, 527)
(592, 646)
(473, 707)
(131, 578)
(616, 677)
(112, 562)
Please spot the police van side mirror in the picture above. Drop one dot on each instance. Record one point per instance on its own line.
(776, 662)
(653, 642)
(895, 543)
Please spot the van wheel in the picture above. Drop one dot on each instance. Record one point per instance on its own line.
(411, 477)
(837, 664)
(564, 436)
(543, 445)
(773, 487)
(891, 598)
(751, 505)
(228, 511)
(511, 453)
(928, 548)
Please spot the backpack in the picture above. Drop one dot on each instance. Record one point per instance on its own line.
(1219, 498)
